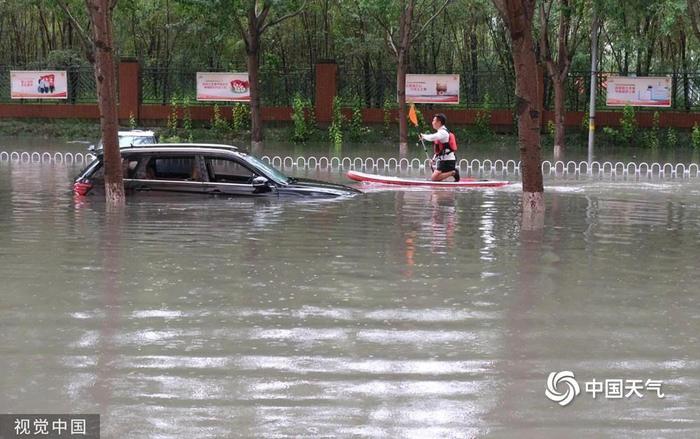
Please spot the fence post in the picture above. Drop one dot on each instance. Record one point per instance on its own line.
(129, 88)
(326, 88)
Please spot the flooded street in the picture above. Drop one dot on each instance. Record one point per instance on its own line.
(419, 314)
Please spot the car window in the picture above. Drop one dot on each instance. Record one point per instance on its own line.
(228, 171)
(129, 166)
(173, 168)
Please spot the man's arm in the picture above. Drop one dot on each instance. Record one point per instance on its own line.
(442, 135)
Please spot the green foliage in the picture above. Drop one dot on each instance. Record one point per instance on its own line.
(335, 130)
(218, 123)
(173, 117)
(671, 138)
(585, 122)
(628, 124)
(482, 121)
(551, 128)
(303, 118)
(627, 133)
(652, 137)
(357, 128)
(240, 117)
(187, 118)
(388, 106)
(132, 120)
(695, 136)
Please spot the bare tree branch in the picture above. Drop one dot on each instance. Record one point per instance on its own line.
(285, 17)
(260, 18)
(243, 33)
(425, 25)
(390, 41)
(84, 36)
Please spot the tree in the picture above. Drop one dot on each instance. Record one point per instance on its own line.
(100, 51)
(410, 14)
(518, 16)
(259, 20)
(694, 12)
(558, 65)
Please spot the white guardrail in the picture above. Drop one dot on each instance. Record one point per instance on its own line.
(485, 167)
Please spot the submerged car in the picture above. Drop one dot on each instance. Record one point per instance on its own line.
(204, 169)
(130, 138)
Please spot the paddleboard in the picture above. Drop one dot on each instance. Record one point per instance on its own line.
(398, 181)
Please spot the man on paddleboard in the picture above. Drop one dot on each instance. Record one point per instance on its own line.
(444, 149)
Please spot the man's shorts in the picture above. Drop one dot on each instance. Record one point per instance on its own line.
(446, 165)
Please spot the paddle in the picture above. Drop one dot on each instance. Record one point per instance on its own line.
(413, 117)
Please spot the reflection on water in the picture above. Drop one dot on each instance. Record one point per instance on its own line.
(394, 314)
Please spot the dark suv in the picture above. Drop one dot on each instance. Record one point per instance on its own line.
(202, 169)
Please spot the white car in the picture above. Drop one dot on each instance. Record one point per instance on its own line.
(130, 138)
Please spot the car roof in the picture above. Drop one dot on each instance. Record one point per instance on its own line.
(180, 147)
(137, 133)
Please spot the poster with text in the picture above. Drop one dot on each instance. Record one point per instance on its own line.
(432, 89)
(639, 91)
(223, 86)
(32, 84)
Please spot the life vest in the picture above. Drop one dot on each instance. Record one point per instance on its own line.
(445, 148)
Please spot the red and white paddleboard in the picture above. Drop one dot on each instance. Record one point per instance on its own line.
(397, 181)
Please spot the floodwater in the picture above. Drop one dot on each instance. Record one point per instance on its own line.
(418, 314)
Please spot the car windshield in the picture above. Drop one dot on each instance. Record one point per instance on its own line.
(135, 140)
(271, 172)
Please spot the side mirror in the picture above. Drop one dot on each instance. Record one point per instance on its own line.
(260, 182)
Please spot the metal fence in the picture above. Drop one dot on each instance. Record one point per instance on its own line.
(161, 86)
(81, 86)
(685, 91)
(373, 88)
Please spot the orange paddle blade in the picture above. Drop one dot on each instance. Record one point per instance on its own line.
(412, 116)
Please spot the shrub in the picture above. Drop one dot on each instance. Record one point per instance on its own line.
(240, 117)
(218, 123)
(187, 118)
(651, 137)
(695, 136)
(671, 138)
(357, 129)
(172, 122)
(335, 130)
(482, 121)
(303, 117)
(388, 106)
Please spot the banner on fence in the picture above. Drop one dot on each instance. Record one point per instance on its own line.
(223, 86)
(639, 91)
(38, 84)
(432, 89)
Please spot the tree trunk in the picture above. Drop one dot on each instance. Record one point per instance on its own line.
(694, 13)
(256, 132)
(474, 63)
(105, 78)
(559, 111)
(405, 23)
(518, 16)
(401, 91)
